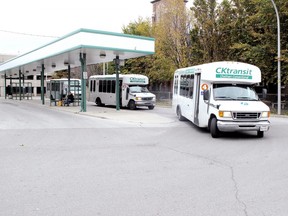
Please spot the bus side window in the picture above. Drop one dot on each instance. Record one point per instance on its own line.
(187, 85)
(113, 86)
(182, 85)
(100, 85)
(105, 86)
(109, 87)
(91, 82)
(191, 86)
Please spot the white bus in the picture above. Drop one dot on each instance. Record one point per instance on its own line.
(133, 90)
(220, 96)
(57, 89)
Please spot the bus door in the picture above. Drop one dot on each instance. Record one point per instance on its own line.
(125, 94)
(197, 97)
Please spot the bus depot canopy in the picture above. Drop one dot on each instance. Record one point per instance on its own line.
(99, 46)
(79, 48)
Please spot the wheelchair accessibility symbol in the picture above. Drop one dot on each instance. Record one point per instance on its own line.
(204, 86)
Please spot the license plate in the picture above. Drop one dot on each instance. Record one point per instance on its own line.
(264, 128)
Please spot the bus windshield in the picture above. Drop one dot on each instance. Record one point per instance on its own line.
(234, 92)
(138, 89)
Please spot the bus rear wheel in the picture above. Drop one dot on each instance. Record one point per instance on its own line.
(213, 128)
(98, 102)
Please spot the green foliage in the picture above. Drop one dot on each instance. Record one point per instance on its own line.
(172, 34)
(237, 30)
(60, 74)
(259, 34)
(171, 41)
(141, 27)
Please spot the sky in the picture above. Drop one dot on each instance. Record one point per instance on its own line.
(28, 24)
(57, 18)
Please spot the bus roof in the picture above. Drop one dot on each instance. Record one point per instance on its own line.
(225, 71)
(127, 78)
(63, 79)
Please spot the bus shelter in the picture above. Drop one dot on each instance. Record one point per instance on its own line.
(58, 90)
(78, 49)
(21, 91)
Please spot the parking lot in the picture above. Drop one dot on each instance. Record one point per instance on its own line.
(59, 161)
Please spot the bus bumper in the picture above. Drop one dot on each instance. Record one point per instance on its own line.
(144, 103)
(229, 126)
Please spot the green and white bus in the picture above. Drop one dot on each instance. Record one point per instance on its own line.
(132, 89)
(220, 96)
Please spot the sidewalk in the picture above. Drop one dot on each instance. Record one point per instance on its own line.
(142, 115)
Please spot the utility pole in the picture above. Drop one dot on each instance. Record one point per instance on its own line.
(278, 59)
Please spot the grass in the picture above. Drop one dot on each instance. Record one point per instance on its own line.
(275, 111)
(164, 103)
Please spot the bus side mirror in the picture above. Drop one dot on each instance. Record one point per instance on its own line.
(206, 95)
(127, 93)
(264, 93)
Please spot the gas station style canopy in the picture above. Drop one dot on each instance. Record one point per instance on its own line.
(79, 48)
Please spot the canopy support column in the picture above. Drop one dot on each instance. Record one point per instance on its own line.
(10, 87)
(83, 81)
(5, 88)
(69, 77)
(20, 93)
(117, 62)
(42, 84)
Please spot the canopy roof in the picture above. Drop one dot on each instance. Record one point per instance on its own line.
(99, 46)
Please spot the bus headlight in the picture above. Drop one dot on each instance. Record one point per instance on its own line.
(138, 98)
(225, 114)
(266, 114)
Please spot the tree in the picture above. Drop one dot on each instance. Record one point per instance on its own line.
(172, 34)
(141, 65)
(205, 27)
(255, 36)
(237, 30)
(240, 30)
(141, 27)
(225, 25)
(60, 74)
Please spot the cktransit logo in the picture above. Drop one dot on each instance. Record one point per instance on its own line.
(137, 80)
(222, 72)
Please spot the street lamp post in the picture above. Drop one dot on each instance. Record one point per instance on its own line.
(278, 59)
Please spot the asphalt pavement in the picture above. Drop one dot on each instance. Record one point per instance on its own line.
(105, 112)
(60, 161)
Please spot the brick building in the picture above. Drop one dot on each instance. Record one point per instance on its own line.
(158, 8)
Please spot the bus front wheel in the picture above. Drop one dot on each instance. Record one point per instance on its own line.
(260, 134)
(132, 105)
(213, 128)
(150, 107)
